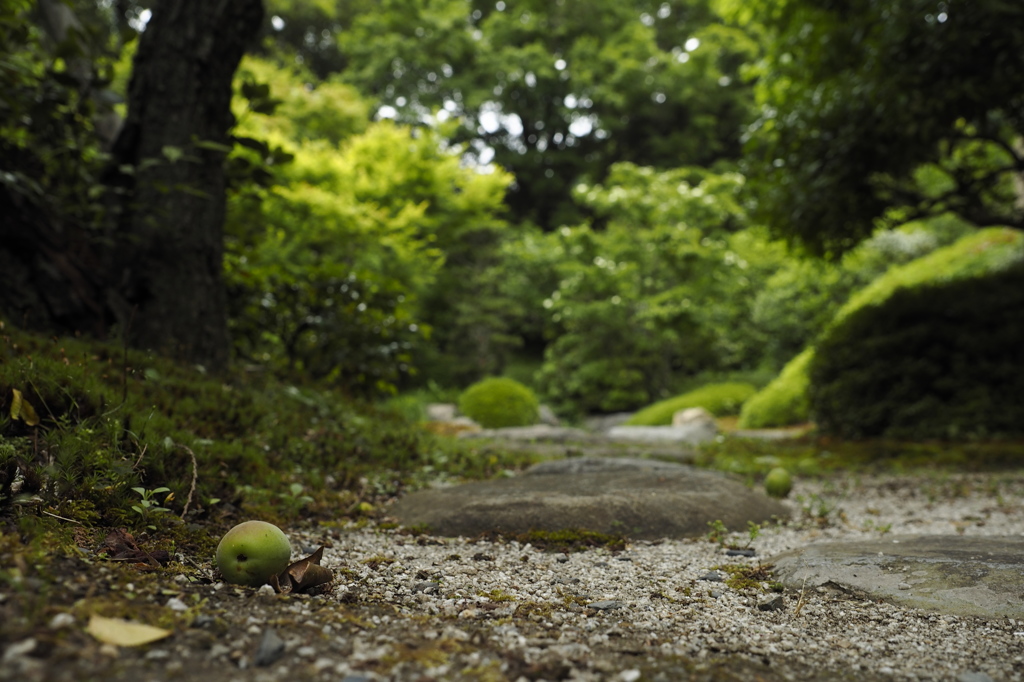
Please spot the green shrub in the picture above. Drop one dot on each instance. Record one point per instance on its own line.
(782, 402)
(498, 402)
(933, 350)
(718, 399)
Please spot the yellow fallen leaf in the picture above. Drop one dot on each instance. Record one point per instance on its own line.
(22, 409)
(124, 632)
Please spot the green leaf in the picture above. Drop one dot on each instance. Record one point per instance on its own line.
(22, 409)
(172, 153)
(213, 146)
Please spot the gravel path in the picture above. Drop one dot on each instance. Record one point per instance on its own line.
(422, 608)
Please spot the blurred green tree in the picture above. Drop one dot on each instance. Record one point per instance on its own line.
(887, 109)
(554, 92)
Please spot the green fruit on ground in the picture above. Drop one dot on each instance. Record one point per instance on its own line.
(251, 552)
(778, 482)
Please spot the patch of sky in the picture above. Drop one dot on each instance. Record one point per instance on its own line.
(139, 22)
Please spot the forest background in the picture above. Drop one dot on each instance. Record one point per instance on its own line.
(611, 202)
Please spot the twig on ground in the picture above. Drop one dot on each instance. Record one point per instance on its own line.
(62, 518)
(195, 476)
(803, 598)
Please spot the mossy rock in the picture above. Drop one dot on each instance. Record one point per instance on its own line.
(499, 402)
(782, 402)
(719, 399)
(930, 349)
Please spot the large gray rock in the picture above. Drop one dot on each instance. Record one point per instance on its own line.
(643, 499)
(970, 576)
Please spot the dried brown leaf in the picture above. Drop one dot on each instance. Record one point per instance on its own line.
(119, 545)
(303, 576)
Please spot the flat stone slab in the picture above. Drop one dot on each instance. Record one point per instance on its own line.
(951, 574)
(541, 432)
(691, 434)
(638, 498)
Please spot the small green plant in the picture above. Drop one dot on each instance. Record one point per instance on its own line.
(717, 532)
(816, 508)
(753, 532)
(880, 528)
(148, 507)
(294, 498)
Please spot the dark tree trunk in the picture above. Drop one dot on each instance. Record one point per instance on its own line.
(170, 232)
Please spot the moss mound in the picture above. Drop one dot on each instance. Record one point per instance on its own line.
(718, 399)
(498, 402)
(930, 349)
(782, 402)
(944, 360)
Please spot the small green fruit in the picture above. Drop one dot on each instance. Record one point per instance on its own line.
(251, 552)
(778, 482)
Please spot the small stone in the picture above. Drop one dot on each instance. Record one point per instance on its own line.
(776, 603)
(903, 586)
(305, 651)
(323, 663)
(218, 650)
(157, 655)
(19, 649)
(713, 576)
(62, 620)
(265, 591)
(271, 648)
(605, 605)
(427, 587)
(175, 604)
(740, 552)
(203, 620)
(631, 675)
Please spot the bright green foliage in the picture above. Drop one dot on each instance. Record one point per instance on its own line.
(782, 402)
(307, 109)
(663, 291)
(342, 271)
(799, 300)
(558, 90)
(718, 399)
(865, 115)
(498, 402)
(931, 349)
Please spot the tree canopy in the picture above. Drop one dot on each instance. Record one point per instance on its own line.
(887, 109)
(554, 92)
